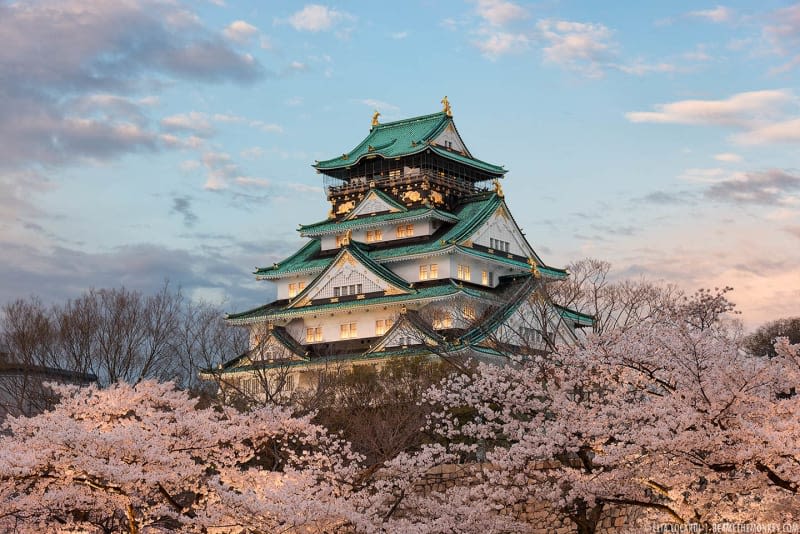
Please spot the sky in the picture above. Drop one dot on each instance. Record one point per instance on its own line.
(152, 140)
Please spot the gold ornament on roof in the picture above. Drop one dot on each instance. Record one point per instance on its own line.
(348, 235)
(375, 118)
(534, 268)
(498, 188)
(446, 107)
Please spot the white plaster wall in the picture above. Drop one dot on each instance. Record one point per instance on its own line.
(330, 323)
(499, 227)
(409, 270)
(421, 228)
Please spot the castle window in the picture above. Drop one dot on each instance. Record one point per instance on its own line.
(429, 271)
(347, 330)
(382, 326)
(497, 244)
(294, 289)
(395, 173)
(405, 230)
(463, 272)
(344, 291)
(313, 334)
(341, 240)
(442, 320)
(374, 235)
(487, 278)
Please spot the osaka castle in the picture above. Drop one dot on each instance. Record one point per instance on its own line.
(419, 254)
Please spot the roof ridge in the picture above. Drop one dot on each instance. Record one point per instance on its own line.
(410, 119)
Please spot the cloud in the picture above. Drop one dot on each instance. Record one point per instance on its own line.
(240, 31)
(379, 105)
(783, 33)
(717, 15)
(740, 110)
(787, 131)
(583, 47)
(221, 170)
(771, 187)
(762, 117)
(398, 35)
(193, 122)
(499, 43)
(793, 230)
(56, 108)
(499, 12)
(665, 198)
(728, 157)
(317, 18)
(183, 206)
(703, 176)
(640, 68)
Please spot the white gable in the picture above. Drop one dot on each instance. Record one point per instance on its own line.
(372, 203)
(500, 229)
(347, 273)
(449, 138)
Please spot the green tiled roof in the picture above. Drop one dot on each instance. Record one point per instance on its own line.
(470, 217)
(279, 311)
(328, 226)
(580, 319)
(362, 257)
(304, 260)
(403, 138)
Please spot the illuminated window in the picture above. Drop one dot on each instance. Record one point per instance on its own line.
(313, 334)
(427, 272)
(405, 230)
(442, 320)
(294, 289)
(382, 326)
(374, 235)
(463, 272)
(423, 272)
(347, 330)
(434, 270)
(342, 240)
(487, 278)
(395, 173)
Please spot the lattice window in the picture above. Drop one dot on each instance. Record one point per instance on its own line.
(463, 272)
(295, 288)
(374, 235)
(405, 230)
(348, 330)
(314, 334)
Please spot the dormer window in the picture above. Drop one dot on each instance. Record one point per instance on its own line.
(374, 235)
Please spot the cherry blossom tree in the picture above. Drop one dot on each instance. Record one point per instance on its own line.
(144, 459)
(669, 416)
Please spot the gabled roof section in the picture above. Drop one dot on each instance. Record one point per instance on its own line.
(470, 216)
(277, 336)
(403, 138)
(375, 201)
(409, 323)
(371, 221)
(351, 254)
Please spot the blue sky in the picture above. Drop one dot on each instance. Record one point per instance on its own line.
(144, 139)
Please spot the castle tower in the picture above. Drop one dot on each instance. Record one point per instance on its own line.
(419, 254)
